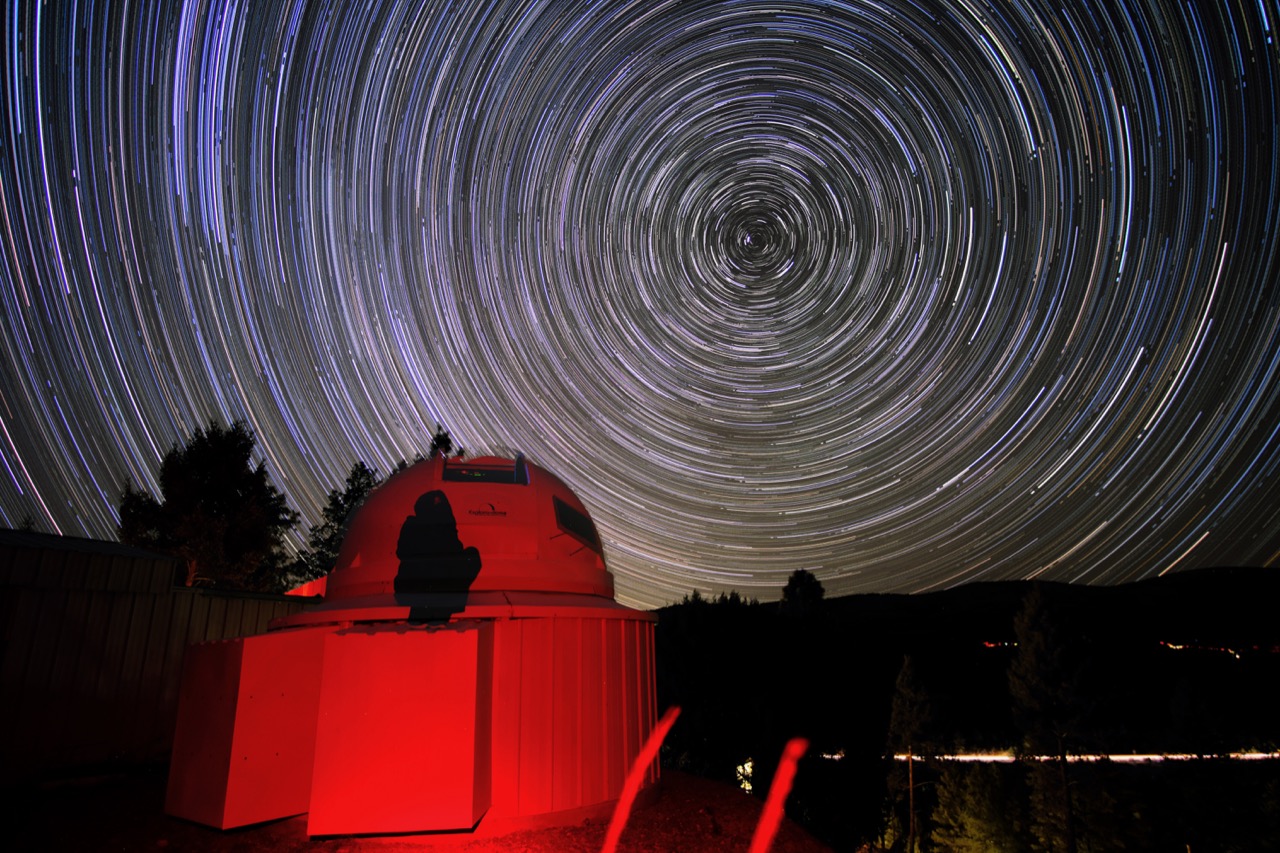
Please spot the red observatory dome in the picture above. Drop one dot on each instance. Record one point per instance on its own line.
(485, 524)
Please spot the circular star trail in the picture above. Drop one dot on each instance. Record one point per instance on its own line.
(904, 294)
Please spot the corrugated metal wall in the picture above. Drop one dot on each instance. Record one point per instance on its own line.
(573, 701)
(93, 637)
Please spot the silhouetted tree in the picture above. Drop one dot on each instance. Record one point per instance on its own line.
(1048, 708)
(441, 443)
(695, 598)
(403, 464)
(217, 511)
(709, 655)
(910, 719)
(325, 537)
(803, 593)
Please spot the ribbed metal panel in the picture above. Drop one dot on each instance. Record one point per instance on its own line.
(573, 702)
(93, 638)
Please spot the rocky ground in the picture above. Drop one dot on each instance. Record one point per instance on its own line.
(124, 812)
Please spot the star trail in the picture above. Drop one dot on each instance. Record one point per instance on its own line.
(905, 294)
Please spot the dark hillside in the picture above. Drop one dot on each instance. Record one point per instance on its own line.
(1183, 663)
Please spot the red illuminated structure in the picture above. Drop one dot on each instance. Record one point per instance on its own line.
(468, 668)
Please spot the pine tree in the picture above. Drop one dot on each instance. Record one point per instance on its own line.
(977, 810)
(1049, 709)
(441, 443)
(325, 537)
(910, 721)
(217, 511)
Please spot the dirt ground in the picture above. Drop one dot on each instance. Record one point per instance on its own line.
(124, 812)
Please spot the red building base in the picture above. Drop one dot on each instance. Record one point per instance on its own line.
(404, 728)
(411, 701)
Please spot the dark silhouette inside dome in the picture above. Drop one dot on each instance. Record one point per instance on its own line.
(433, 561)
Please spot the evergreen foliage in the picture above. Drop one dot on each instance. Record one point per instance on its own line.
(910, 721)
(911, 715)
(719, 653)
(979, 809)
(325, 537)
(1045, 680)
(1049, 710)
(217, 511)
(442, 443)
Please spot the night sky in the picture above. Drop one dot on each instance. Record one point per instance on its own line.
(904, 294)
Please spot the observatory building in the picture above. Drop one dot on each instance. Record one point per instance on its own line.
(468, 667)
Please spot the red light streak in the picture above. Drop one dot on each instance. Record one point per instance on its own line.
(635, 778)
(767, 828)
